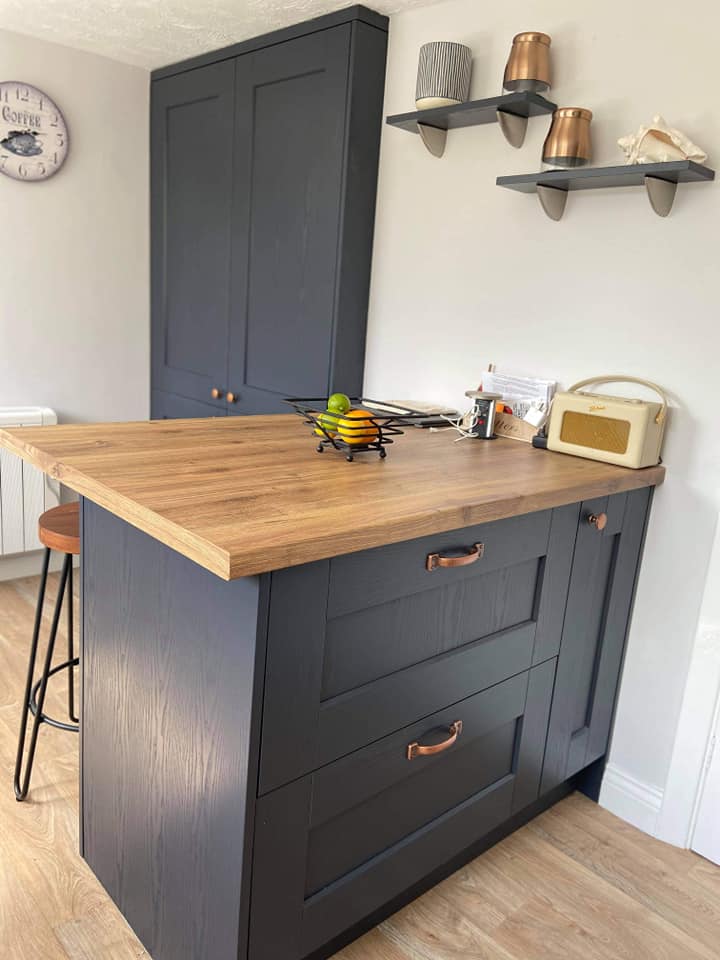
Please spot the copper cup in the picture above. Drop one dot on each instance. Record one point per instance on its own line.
(528, 67)
(568, 142)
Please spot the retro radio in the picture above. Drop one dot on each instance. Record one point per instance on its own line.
(626, 432)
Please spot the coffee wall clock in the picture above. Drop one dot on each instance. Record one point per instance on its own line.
(33, 133)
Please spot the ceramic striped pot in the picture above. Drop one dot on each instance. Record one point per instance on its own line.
(443, 74)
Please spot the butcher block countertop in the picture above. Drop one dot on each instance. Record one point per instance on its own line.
(246, 495)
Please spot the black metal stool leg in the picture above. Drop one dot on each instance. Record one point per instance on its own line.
(22, 783)
(71, 646)
(30, 674)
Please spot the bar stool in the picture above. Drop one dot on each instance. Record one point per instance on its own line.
(59, 529)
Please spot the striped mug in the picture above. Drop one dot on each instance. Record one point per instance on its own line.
(443, 75)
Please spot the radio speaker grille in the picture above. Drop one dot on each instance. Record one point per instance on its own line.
(599, 433)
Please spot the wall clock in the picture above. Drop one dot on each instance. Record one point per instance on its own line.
(33, 133)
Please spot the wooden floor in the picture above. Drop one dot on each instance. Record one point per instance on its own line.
(575, 884)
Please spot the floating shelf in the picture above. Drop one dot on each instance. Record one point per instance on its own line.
(511, 111)
(659, 179)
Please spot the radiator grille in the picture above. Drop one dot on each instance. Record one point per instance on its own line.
(25, 492)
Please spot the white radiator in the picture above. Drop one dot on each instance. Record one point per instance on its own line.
(25, 492)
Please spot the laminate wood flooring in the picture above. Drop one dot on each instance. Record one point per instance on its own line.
(574, 884)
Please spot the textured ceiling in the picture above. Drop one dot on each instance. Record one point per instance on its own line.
(151, 33)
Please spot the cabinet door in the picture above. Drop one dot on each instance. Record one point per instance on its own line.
(289, 145)
(167, 406)
(602, 585)
(337, 845)
(383, 642)
(192, 149)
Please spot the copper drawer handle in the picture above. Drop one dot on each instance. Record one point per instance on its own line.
(435, 560)
(415, 750)
(598, 520)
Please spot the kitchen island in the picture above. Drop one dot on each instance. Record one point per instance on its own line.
(311, 689)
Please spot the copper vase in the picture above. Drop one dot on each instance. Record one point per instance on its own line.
(568, 142)
(528, 66)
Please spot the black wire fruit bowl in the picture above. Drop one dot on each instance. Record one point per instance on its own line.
(368, 425)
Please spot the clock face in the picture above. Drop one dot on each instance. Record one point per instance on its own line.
(33, 133)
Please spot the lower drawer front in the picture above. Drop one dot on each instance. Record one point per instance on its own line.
(336, 845)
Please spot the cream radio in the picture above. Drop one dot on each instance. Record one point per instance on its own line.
(626, 432)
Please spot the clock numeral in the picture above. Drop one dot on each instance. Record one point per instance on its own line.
(41, 168)
(22, 94)
(54, 121)
(54, 159)
(3, 160)
(23, 170)
(60, 139)
(5, 95)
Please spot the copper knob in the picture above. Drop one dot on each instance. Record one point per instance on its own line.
(216, 393)
(598, 520)
(232, 397)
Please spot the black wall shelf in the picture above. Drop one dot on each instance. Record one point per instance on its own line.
(659, 179)
(511, 111)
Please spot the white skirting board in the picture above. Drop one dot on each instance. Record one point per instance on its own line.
(633, 801)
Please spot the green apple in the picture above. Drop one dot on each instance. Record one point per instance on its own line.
(338, 403)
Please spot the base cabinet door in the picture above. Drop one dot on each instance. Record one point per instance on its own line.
(602, 585)
(335, 846)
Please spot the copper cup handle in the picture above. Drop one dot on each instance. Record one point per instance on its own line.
(598, 520)
(416, 750)
(435, 560)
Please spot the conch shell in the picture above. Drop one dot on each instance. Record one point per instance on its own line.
(658, 143)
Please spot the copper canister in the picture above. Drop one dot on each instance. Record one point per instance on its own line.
(568, 141)
(528, 67)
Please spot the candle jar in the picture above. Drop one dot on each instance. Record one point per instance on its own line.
(528, 66)
(443, 77)
(568, 142)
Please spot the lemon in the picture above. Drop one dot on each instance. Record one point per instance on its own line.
(328, 424)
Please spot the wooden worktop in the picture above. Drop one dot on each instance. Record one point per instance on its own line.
(245, 495)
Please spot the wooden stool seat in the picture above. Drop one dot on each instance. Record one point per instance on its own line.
(59, 529)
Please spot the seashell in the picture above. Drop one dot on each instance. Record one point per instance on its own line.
(658, 143)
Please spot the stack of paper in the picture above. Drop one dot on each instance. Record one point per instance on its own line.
(520, 393)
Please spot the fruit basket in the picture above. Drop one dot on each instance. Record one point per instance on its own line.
(369, 425)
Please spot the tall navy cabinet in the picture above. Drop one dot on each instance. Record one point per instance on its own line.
(264, 172)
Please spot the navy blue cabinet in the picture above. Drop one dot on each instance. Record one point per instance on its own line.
(341, 734)
(264, 171)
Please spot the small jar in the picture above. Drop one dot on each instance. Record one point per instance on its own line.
(443, 77)
(568, 142)
(528, 66)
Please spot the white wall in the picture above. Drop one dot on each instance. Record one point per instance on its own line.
(466, 273)
(74, 268)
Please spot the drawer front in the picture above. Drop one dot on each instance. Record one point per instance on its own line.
(371, 577)
(343, 674)
(336, 845)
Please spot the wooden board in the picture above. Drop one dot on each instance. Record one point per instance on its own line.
(245, 495)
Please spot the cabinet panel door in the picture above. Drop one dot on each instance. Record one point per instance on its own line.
(597, 617)
(335, 846)
(289, 145)
(192, 151)
(405, 642)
